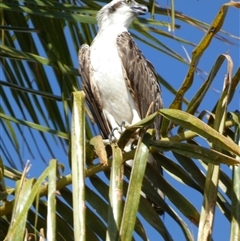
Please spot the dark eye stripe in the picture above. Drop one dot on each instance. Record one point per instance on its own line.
(114, 7)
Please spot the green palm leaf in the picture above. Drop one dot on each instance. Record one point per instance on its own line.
(38, 86)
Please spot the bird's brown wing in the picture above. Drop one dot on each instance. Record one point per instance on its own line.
(91, 91)
(141, 77)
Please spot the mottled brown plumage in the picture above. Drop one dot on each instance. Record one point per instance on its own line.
(141, 78)
(89, 87)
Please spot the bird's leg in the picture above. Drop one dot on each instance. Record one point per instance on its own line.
(134, 143)
(112, 136)
(122, 127)
(117, 131)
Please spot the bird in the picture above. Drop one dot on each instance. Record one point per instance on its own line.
(120, 84)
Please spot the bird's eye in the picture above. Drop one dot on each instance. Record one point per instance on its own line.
(128, 1)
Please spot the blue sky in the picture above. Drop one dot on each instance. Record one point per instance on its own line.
(174, 73)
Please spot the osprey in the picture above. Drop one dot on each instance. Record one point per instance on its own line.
(120, 84)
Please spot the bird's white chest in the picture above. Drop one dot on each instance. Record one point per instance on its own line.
(105, 62)
(108, 76)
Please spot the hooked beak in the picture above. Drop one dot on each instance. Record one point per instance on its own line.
(139, 9)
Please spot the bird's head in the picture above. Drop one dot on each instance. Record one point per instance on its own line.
(119, 12)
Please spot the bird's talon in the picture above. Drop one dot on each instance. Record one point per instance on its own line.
(112, 138)
(122, 126)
